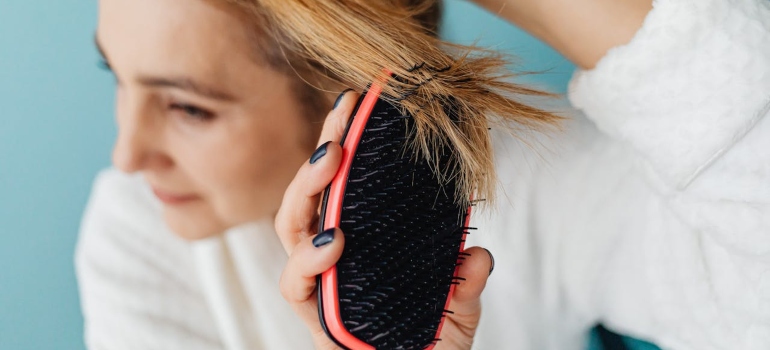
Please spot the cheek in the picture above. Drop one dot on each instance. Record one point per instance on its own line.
(247, 177)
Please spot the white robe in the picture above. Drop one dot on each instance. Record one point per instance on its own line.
(652, 217)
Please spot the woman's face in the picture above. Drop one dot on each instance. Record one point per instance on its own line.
(216, 135)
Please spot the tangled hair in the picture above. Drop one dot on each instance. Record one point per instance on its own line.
(454, 92)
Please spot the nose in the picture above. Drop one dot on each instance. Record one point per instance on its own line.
(137, 143)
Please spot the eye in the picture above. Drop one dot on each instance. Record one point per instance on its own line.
(192, 112)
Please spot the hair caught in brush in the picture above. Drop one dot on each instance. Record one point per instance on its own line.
(352, 41)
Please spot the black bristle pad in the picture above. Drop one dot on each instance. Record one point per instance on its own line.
(403, 231)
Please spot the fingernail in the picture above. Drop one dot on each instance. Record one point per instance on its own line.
(319, 152)
(491, 257)
(339, 98)
(324, 238)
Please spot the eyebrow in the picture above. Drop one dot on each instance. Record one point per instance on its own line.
(185, 84)
(181, 83)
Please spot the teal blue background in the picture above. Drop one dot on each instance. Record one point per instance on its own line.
(56, 132)
(594, 343)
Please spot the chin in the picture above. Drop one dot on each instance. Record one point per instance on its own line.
(190, 226)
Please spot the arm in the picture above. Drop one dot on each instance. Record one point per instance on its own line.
(690, 96)
(582, 31)
(683, 92)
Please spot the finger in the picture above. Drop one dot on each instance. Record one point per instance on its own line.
(475, 269)
(298, 214)
(337, 120)
(311, 257)
(333, 129)
(465, 306)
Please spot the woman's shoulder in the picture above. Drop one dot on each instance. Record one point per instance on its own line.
(131, 269)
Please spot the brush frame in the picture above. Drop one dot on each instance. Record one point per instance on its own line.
(331, 211)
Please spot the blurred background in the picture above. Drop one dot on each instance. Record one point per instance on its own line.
(56, 132)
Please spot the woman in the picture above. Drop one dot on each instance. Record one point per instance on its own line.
(582, 240)
(215, 117)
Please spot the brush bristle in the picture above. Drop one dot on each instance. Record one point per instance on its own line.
(403, 232)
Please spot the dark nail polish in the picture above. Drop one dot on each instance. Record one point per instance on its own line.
(319, 153)
(491, 257)
(339, 98)
(324, 238)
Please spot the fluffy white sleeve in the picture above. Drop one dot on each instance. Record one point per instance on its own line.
(690, 94)
(690, 85)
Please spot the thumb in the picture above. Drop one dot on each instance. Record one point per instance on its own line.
(475, 270)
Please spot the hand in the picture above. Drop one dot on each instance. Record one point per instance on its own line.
(311, 254)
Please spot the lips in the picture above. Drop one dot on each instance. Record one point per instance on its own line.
(173, 198)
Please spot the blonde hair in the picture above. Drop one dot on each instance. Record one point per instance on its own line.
(454, 92)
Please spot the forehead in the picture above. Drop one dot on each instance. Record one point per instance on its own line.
(208, 37)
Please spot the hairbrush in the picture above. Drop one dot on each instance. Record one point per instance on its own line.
(404, 235)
